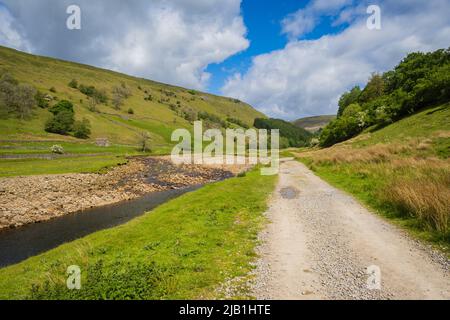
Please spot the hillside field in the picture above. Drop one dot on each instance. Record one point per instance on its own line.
(401, 171)
(156, 108)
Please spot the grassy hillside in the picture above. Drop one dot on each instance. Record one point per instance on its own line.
(155, 256)
(160, 116)
(401, 171)
(314, 124)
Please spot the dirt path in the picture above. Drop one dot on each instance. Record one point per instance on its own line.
(321, 241)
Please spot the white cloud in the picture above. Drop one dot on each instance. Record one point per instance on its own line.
(306, 19)
(307, 77)
(169, 41)
(9, 35)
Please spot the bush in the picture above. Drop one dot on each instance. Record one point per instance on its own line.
(82, 129)
(15, 98)
(57, 149)
(63, 105)
(73, 84)
(41, 100)
(52, 89)
(61, 123)
(99, 95)
(130, 111)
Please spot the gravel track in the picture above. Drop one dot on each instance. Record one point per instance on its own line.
(321, 242)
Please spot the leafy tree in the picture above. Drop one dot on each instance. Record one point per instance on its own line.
(144, 138)
(375, 88)
(82, 129)
(61, 123)
(420, 80)
(63, 105)
(16, 98)
(349, 98)
(41, 100)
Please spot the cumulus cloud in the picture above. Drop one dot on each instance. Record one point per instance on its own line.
(169, 41)
(10, 35)
(308, 76)
(306, 19)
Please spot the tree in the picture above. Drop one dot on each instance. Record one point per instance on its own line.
(374, 89)
(82, 129)
(348, 98)
(61, 123)
(15, 98)
(25, 100)
(73, 84)
(117, 101)
(92, 104)
(144, 138)
(120, 93)
(63, 105)
(63, 118)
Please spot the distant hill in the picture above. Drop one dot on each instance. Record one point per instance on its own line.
(149, 106)
(290, 135)
(314, 124)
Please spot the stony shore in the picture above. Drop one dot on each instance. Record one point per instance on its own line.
(25, 200)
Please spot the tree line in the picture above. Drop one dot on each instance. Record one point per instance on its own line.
(420, 80)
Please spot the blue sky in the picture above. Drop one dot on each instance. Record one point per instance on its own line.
(287, 58)
(263, 21)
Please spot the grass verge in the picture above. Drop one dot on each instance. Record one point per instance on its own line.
(27, 167)
(184, 249)
(401, 172)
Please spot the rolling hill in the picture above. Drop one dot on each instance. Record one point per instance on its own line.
(314, 124)
(154, 107)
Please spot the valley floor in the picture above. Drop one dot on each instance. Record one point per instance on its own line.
(320, 243)
(31, 199)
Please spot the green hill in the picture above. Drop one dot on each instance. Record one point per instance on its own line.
(154, 107)
(314, 124)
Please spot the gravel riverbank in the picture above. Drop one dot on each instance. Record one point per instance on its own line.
(32, 199)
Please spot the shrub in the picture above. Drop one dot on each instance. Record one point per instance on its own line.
(61, 123)
(41, 100)
(130, 111)
(57, 149)
(99, 95)
(63, 105)
(52, 89)
(82, 129)
(15, 98)
(73, 84)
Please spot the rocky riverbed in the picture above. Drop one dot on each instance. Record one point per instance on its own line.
(32, 199)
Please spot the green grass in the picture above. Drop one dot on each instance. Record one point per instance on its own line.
(184, 249)
(366, 183)
(422, 124)
(413, 149)
(158, 118)
(27, 167)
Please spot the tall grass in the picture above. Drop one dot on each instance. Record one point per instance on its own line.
(406, 176)
(427, 199)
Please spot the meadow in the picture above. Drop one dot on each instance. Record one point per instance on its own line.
(155, 256)
(402, 172)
